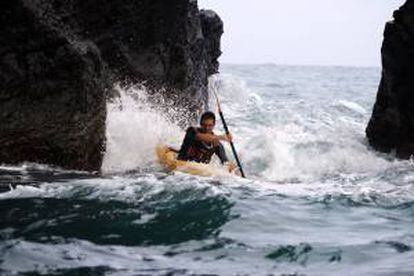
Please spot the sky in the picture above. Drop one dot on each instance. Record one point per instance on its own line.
(303, 32)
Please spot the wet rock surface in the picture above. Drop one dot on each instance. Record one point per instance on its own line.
(392, 123)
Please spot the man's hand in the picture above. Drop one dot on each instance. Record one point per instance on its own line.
(231, 166)
(226, 137)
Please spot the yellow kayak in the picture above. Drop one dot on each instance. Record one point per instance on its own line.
(168, 159)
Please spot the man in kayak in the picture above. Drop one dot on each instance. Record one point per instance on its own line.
(200, 143)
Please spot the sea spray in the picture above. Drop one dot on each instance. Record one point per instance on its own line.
(294, 137)
(135, 124)
(293, 141)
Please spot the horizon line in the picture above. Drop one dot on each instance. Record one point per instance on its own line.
(302, 65)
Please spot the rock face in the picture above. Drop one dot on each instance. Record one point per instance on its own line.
(392, 123)
(59, 59)
(52, 93)
(212, 27)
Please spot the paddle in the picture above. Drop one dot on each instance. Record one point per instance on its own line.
(226, 129)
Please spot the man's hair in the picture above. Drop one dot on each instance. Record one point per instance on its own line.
(208, 115)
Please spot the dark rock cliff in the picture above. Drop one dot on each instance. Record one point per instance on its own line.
(52, 105)
(59, 59)
(392, 123)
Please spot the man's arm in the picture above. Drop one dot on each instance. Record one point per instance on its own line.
(212, 138)
(221, 153)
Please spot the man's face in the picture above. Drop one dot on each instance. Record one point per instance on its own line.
(207, 125)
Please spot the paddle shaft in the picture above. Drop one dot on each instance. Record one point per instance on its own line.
(226, 129)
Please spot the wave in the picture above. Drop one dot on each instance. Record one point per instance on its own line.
(285, 139)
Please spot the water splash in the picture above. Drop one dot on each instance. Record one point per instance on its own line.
(285, 139)
(135, 125)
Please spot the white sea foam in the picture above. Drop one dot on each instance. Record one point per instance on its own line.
(295, 140)
(352, 106)
(133, 129)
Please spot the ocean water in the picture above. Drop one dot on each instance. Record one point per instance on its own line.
(317, 200)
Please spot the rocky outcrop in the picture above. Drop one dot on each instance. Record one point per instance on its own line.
(52, 93)
(59, 59)
(392, 123)
(212, 27)
(157, 42)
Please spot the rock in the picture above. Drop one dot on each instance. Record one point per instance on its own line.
(212, 27)
(59, 59)
(391, 126)
(156, 42)
(52, 93)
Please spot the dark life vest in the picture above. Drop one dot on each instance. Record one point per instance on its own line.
(198, 151)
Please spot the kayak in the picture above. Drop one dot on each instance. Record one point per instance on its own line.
(168, 159)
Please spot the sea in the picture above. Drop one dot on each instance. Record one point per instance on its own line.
(317, 200)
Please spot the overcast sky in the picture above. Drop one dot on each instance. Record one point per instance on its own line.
(318, 32)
